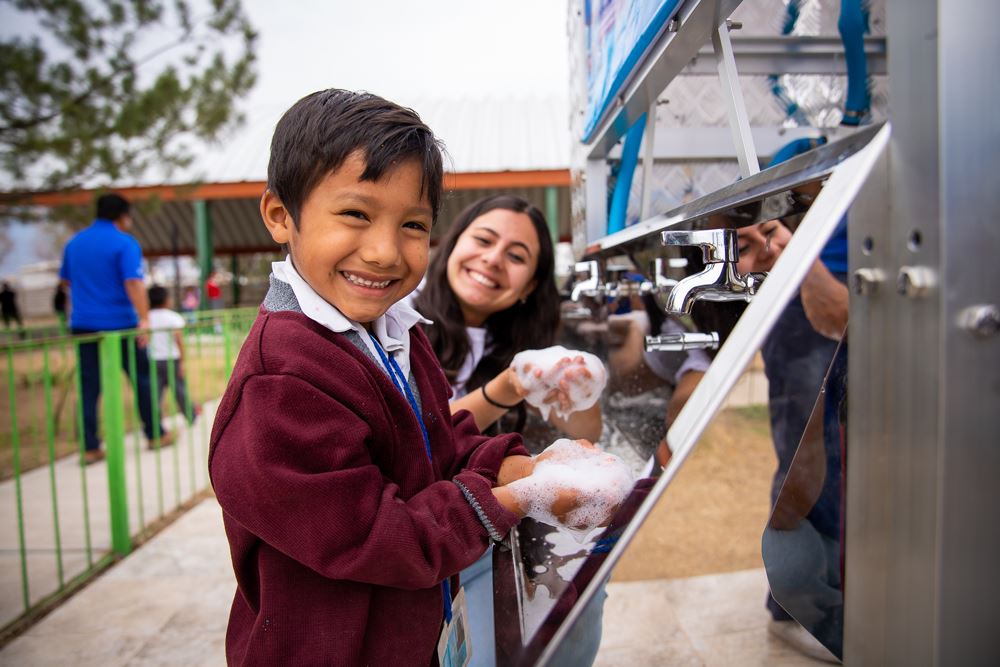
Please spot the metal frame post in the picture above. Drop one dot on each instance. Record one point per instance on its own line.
(739, 120)
(922, 424)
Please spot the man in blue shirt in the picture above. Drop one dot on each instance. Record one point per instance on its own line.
(102, 267)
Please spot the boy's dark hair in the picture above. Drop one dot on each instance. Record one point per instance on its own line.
(320, 131)
(157, 296)
(112, 206)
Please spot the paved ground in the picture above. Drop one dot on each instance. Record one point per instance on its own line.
(168, 478)
(167, 604)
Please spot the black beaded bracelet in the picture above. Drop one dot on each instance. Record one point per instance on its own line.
(489, 400)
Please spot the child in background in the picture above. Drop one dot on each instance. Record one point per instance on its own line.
(350, 494)
(166, 348)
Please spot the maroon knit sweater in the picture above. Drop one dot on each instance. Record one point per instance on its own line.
(341, 530)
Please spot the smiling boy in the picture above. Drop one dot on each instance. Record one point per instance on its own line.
(350, 495)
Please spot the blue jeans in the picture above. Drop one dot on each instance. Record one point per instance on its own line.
(90, 387)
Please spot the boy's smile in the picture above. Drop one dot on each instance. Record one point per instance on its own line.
(361, 245)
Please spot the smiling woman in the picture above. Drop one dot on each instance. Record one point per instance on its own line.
(491, 293)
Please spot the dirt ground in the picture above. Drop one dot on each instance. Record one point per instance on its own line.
(712, 515)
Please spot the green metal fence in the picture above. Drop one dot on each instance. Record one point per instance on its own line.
(64, 517)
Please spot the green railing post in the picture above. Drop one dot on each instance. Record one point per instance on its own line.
(227, 342)
(15, 441)
(114, 439)
(50, 433)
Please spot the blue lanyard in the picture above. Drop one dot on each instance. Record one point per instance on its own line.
(404, 388)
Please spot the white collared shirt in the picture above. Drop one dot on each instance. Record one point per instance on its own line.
(391, 329)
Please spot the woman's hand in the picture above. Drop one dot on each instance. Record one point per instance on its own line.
(574, 372)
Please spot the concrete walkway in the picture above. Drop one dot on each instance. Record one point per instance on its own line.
(168, 603)
(168, 477)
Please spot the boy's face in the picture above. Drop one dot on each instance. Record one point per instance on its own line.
(361, 245)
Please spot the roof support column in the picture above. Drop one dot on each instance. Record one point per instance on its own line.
(235, 269)
(552, 211)
(203, 244)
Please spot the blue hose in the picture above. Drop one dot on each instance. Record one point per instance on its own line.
(623, 186)
(853, 24)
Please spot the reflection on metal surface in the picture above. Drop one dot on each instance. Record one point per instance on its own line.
(744, 202)
(801, 545)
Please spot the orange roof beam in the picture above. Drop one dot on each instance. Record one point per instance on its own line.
(476, 180)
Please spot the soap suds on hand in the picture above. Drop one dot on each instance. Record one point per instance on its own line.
(580, 374)
(599, 481)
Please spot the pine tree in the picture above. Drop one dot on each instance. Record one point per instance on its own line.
(94, 91)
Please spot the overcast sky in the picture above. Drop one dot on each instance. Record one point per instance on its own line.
(402, 49)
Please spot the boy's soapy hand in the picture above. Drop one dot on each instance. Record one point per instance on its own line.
(570, 500)
(506, 498)
(518, 467)
(573, 484)
(566, 451)
(514, 468)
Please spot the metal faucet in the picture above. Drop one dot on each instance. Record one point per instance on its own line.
(591, 286)
(719, 281)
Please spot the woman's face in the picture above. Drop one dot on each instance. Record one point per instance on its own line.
(493, 264)
(760, 246)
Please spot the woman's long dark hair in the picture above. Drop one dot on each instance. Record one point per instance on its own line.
(523, 326)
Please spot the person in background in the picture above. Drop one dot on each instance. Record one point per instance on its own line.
(102, 267)
(166, 348)
(212, 291)
(8, 306)
(490, 293)
(59, 306)
(189, 302)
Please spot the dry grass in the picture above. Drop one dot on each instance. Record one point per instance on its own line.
(32, 402)
(712, 515)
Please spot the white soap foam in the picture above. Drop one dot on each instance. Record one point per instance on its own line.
(580, 375)
(600, 482)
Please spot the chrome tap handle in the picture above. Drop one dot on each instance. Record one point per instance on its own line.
(717, 245)
(660, 282)
(681, 342)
